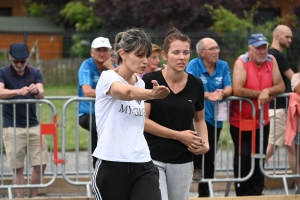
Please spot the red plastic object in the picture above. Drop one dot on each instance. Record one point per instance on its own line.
(247, 125)
(51, 129)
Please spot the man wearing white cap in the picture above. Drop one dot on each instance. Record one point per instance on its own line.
(255, 76)
(88, 76)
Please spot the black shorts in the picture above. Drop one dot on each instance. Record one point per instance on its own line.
(126, 181)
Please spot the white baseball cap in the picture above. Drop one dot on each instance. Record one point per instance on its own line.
(101, 42)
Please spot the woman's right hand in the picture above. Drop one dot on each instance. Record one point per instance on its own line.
(159, 91)
(190, 139)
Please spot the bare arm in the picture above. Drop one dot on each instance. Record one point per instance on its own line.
(6, 93)
(108, 64)
(238, 81)
(218, 94)
(201, 129)
(88, 91)
(278, 84)
(228, 91)
(278, 87)
(213, 96)
(186, 137)
(40, 88)
(33, 89)
(289, 73)
(157, 129)
(127, 92)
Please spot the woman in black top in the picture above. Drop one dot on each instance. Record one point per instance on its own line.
(168, 124)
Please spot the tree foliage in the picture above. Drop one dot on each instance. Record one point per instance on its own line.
(240, 28)
(82, 16)
(35, 10)
(154, 15)
(226, 21)
(186, 15)
(49, 8)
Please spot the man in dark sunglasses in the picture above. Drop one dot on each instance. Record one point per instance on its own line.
(20, 81)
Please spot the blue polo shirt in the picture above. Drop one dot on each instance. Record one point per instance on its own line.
(88, 74)
(218, 80)
(12, 80)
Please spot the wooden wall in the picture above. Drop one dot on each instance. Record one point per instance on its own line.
(16, 5)
(50, 46)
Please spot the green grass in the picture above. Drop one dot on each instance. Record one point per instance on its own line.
(224, 137)
(71, 124)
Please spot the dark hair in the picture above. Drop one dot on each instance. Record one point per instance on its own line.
(172, 35)
(134, 39)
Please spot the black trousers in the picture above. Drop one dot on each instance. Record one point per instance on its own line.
(126, 181)
(84, 122)
(209, 160)
(255, 184)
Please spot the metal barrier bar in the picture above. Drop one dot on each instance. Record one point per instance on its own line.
(275, 169)
(255, 155)
(245, 125)
(77, 172)
(88, 171)
(44, 130)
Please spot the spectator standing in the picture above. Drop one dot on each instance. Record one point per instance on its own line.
(20, 81)
(124, 169)
(255, 76)
(215, 75)
(88, 76)
(282, 38)
(168, 121)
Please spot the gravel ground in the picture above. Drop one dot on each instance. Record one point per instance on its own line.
(232, 193)
(192, 194)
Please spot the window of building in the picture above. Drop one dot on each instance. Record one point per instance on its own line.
(5, 12)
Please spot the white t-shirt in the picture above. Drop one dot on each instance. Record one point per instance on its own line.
(120, 124)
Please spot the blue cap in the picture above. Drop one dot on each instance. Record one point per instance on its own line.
(19, 51)
(257, 40)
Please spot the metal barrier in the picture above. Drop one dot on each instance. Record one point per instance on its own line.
(44, 114)
(282, 170)
(82, 169)
(225, 154)
(45, 129)
(245, 125)
(276, 162)
(78, 172)
(74, 167)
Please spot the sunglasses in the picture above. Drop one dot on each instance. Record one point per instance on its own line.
(19, 61)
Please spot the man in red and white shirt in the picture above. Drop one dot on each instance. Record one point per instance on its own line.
(255, 76)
